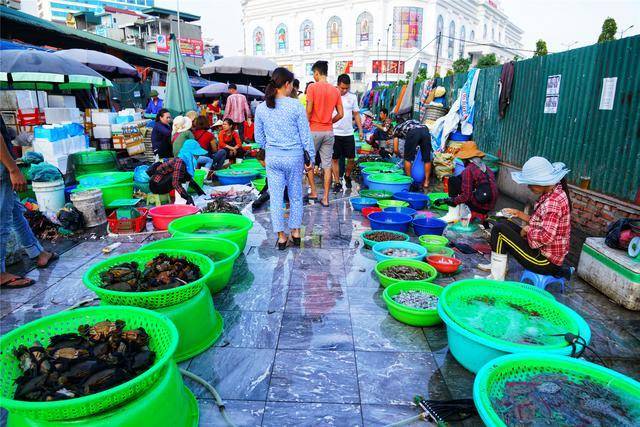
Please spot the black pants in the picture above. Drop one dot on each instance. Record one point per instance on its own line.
(455, 186)
(417, 139)
(162, 187)
(506, 239)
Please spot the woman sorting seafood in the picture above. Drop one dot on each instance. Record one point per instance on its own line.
(543, 243)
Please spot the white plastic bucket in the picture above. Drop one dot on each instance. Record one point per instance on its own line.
(49, 195)
(90, 204)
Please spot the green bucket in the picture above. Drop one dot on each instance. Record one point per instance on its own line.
(392, 204)
(223, 252)
(114, 185)
(168, 402)
(432, 242)
(234, 227)
(88, 162)
(436, 196)
(409, 315)
(164, 340)
(490, 382)
(370, 243)
(386, 281)
(151, 299)
(198, 176)
(376, 194)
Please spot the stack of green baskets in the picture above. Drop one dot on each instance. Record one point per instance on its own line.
(114, 185)
(151, 395)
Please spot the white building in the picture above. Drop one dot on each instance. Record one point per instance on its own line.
(58, 10)
(376, 39)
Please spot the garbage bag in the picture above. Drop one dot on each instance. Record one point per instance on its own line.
(44, 172)
(71, 218)
(32, 158)
(140, 174)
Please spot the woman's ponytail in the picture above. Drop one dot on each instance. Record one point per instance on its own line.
(565, 187)
(280, 77)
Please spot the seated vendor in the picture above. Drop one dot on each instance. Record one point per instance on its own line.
(383, 131)
(229, 141)
(474, 187)
(543, 243)
(170, 175)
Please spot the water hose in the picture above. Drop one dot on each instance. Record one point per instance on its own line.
(407, 421)
(212, 390)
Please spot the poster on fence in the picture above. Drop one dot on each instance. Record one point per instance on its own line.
(608, 94)
(553, 94)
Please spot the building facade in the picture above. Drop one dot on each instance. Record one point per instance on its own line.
(58, 10)
(377, 40)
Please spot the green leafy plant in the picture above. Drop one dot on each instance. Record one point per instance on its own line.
(609, 29)
(541, 48)
(461, 65)
(487, 61)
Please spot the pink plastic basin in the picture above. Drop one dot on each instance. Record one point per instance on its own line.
(162, 215)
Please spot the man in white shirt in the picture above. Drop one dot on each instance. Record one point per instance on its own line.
(345, 144)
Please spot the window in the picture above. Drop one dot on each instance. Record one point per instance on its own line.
(306, 36)
(463, 34)
(364, 29)
(452, 36)
(407, 27)
(334, 32)
(472, 36)
(358, 76)
(439, 32)
(258, 41)
(493, 34)
(500, 35)
(484, 35)
(282, 42)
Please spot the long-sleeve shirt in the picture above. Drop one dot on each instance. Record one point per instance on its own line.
(161, 139)
(237, 108)
(176, 168)
(228, 140)
(283, 130)
(153, 107)
(550, 225)
(472, 177)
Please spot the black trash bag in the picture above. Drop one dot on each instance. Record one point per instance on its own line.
(615, 229)
(71, 218)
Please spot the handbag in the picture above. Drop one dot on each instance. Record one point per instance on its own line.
(307, 158)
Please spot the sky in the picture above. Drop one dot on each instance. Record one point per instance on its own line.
(558, 22)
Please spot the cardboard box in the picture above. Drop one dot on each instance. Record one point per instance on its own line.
(118, 142)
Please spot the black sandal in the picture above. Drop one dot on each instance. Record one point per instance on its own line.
(8, 283)
(281, 245)
(296, 241)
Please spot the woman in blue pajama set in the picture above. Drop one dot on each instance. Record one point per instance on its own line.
(282, 130)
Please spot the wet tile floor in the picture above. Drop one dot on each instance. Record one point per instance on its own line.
(307, 339)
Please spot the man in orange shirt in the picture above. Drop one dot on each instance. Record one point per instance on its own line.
(322, 99)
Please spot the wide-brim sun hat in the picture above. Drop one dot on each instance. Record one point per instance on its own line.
(192, 146)
(540, 171)
(218, 123)
(181, 124)
(469, 150)
(368, 114)
(153, 93)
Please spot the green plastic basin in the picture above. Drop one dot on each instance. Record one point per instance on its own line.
(88, 162)
(436, 196)
(376, 194)
(432, 242)
(168, 402)
(370, 243)
(409, 315)
(114, 185)
(223, 253)
(379, 165)
(389, 178)
(164, 341)
(232, 227)
(386, 281)
(247, 166)
(259, 183)
(198, 177)
(392, 203)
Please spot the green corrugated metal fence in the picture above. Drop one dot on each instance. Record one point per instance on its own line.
(602, 144)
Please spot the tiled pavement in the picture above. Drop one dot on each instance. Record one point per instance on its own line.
(307, 340)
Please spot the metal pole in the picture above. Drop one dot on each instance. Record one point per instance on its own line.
(386, 69)
(378, 58)
(625, 30)
(435, 70)
(178, 14)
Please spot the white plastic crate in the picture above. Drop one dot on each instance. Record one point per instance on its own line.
(59, 115)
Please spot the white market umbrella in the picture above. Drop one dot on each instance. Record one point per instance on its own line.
(99, 61)
(243, 65)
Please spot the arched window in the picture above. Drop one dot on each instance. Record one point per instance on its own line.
(364, 29)
(282, 38)
(472, 36)
(484, 35)
(440, 31)
(258, 41)
(334, 32)
(452, 35)
(463, 34)
(306, 35)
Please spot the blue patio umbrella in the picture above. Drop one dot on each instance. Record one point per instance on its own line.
(178, 93)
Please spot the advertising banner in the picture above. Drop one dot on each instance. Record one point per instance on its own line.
(188, 47)
(391, 67)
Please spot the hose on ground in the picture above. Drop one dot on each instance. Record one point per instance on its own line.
(212, 390)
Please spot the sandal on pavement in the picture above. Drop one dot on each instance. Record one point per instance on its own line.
(17, 282)
(54, 257)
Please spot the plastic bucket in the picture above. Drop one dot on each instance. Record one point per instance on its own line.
(236, 176)
(362, 202)
(433, 242)
(409, 315)
(391, 244)
(89, 203)
(195, 225)
(389, 221)
(163, 215)
(114, 185)
(223, 253)
(392, 203)
(389, 182)
(433, 226)
(49, 195)
(371, 243)
(416, 200)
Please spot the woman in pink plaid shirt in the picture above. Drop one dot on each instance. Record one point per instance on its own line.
(542, 244)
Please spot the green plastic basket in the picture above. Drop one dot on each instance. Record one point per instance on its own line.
(151, 299)
(188, 226)
(436, 196)
(370, 243)
(88, 162)
(386, 280)
(223, 253)
(433, 242)
(492, 378)
(443, 250)
(409, 315)
(164, 340)
(114, 185)
(392, 204)
(376, 194)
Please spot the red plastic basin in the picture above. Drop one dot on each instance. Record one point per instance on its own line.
(368, 210)
(162, 215)
(444, 264)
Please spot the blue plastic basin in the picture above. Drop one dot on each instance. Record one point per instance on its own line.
(401, 210)
(429, 226)
(379, 247)
(237, 179)
(389, 182)
(363, 202)
(417, 201)
(389, 221)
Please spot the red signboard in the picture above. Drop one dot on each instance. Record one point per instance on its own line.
(392, 67)
(188, 47)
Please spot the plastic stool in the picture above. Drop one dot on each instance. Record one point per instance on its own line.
(541, 281)
(158, 199)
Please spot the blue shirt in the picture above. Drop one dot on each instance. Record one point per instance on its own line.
(284, 129)
(153, 108)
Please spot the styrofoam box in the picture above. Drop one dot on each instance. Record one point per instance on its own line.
(8, 100)
(116, 128)
(60, 162)
(27, 99)
(102, 131)
(62, 101)
(103, 118)
(59, 115)
(50, 148)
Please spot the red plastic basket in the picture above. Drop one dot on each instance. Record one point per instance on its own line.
(135, 225)
(30, 117)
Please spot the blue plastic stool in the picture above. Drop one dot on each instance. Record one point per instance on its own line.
(542, 281)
